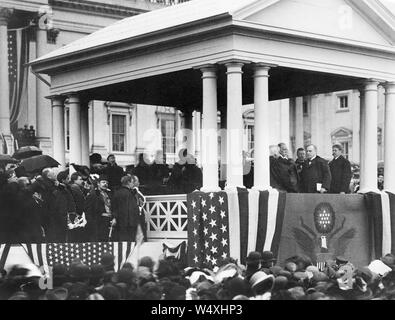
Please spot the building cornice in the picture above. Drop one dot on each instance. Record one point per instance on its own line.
(98, 7)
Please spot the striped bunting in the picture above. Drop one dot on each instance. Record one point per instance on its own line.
(4, 251)
(46, 255)
(382, 222)
(247, 220)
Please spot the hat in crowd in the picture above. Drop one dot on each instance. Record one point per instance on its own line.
(268, 256)
(57, 294)
(146, 262)
(126, 276)
(227, 271)
(261, 282)
(240, 297)
(275, 270)
(103, 177)
(254, 257)
(62, 175)
(199, 276)
(236, 286)
(95, 296)
(291, 266)
(78, 291)
(379, 267)
(107, 261)
(389, 260)
(79, 272)
(20, 295)
(110, 292)
(296, 293)
(280, 283)
(95, 158)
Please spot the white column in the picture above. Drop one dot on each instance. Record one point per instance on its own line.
(43, 130)
(5, 14)
(389, 131)
(234, 139)
(223, 134)
(85, 134)
(361, 135)
(197, 128)
(75, 129)
(209, 130)
(284, 123)
(188, 132)
(369, 174)
(299, 129)
(59, 152)
(261, 128)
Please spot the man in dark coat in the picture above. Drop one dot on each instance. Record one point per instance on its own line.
(125, 210)
(77, 191)
(315, 175)
(62, 209)
(192, 177)
(98, 211)
(114, 173)
(287, 174)
(340, 170)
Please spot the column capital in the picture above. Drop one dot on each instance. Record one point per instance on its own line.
(73, 97)
(389, 87)
(57, 100)
(5, 15)
(208, 71)
(369, 85)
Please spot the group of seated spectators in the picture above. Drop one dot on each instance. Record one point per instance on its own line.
(261, 278)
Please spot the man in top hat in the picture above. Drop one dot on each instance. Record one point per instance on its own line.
(63, 208)
(114, 173)
(98, 210)
(125, 209)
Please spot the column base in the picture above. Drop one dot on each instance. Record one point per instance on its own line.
(367, 190)
(262, 188)
(233, 188)
(210, 189)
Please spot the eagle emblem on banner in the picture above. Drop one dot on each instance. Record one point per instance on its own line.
(319, 244)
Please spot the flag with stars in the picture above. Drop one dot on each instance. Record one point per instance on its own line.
(230, 224)
(49, 254)
(18, 57)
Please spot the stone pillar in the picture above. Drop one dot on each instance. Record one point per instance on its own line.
(369, 174)
(223, 137)
(299, 129)
(85, 134)
(5, 129)
(361, 135)
(197, 130)
(75, 129)
(209, 130)
(188, 132)
(43, 130)
(234, 139)
(58, 136)
(261, 128)
(284, 123)
(389, 131)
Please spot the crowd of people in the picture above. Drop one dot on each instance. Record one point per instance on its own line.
(261, 278)
(59, 207)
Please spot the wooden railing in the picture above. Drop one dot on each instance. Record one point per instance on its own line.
(166, 216)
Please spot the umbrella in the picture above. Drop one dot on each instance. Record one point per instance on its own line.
(27, 152)
(38, 163)
(5, 158)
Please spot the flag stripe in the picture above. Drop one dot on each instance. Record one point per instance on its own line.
(253, 199)
(391, 197)
(386, 223)
(234, 224)
(279, 222)
(40, 254)
(5, 249)
(244, 220)
(271, 218)
(262, 220)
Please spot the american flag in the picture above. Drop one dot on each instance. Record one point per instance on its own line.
(18, 57)
(230, 224)
(49, 254)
